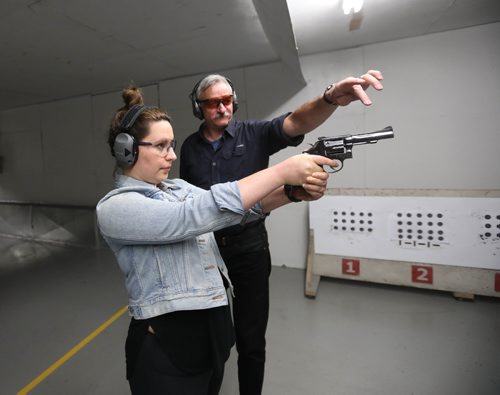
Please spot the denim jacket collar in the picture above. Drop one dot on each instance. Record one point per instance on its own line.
(123, 181)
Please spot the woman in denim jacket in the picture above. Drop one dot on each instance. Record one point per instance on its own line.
(181, 332)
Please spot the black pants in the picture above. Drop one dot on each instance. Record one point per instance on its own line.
(156, 375)
(248, 261)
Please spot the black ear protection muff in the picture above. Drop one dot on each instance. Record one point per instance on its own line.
(197, 112)
(125, 148)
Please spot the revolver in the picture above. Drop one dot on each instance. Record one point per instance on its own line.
(340, 147)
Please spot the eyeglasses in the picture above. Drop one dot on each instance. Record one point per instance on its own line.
(216, 101)
(162, 148)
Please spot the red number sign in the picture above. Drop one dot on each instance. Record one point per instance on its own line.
(350, 267)
(421, 274)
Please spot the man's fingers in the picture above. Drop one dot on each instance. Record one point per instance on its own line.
(345, 86)
(360, 93)
(372, 81)
(373, 78)
(376, 73)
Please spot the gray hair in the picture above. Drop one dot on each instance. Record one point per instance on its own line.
(210, 80)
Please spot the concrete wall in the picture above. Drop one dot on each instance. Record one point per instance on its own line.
(441, 96)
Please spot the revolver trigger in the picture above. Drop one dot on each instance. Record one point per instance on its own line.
(338, 166)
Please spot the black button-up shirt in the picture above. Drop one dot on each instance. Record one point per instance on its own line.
(245, 149)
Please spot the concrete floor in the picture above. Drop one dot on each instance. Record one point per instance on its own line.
(354, 338)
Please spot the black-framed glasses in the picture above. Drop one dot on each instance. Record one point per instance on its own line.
(215, 102)
(161, 147)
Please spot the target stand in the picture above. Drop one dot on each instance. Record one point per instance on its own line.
(436, 239)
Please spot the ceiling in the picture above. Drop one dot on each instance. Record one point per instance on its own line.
(55, 49)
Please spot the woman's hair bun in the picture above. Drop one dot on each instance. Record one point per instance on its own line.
(132, 95)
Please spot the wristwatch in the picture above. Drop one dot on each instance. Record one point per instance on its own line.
(333, 103)
(289, 193)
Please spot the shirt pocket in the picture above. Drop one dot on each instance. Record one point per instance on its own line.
(237, 152)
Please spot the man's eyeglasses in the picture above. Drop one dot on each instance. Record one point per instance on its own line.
(216, 101)
(162, 147)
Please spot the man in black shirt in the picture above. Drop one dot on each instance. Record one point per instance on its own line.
(225, 149)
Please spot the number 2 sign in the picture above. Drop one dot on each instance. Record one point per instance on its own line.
(421, 274)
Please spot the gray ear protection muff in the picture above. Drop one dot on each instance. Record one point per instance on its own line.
(125, 148)
(197, 112)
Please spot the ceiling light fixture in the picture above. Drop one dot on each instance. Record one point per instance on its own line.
(352, 5)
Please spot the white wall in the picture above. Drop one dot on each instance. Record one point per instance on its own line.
(441, 96)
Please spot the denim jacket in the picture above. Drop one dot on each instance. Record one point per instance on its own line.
(162, 238)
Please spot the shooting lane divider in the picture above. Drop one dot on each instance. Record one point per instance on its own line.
(72, 352)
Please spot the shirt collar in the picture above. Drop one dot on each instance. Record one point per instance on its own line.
(230, 129)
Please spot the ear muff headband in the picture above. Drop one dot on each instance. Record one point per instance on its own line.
(197, 112)
(131, 116)
(125, 147)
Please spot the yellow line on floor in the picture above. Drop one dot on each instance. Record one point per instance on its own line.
(71, 352)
